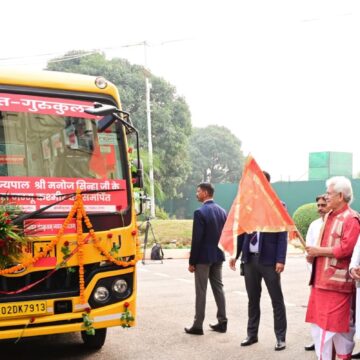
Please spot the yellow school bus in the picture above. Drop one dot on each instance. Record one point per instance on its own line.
(69, 172)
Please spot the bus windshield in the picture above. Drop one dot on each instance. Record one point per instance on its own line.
(52, 146)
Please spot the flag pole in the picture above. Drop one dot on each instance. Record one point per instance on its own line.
(299, 236)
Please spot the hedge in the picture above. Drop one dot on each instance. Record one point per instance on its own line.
(304, 216)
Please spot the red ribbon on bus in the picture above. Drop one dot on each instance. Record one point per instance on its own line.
(28, 287)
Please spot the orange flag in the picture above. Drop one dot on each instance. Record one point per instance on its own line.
(96, 163)
(255, 208)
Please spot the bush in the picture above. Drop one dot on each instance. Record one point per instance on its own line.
(304, 216)
(160, 213)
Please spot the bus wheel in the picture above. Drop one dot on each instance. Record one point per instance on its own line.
(94, 341)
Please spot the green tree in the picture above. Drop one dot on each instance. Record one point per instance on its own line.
(216, 155)
(159, 194)
(170, 115)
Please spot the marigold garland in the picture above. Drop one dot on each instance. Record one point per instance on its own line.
(80, 242)
(48, 247)
(78, 209)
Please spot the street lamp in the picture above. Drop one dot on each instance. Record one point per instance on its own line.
(150, 149)
(148, 116)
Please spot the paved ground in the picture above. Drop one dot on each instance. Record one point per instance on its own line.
(178, 312)
(166, 306)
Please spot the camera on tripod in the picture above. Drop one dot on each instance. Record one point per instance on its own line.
(156, 251)
(146, 200)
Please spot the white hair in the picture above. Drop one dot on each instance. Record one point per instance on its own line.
(341, 184)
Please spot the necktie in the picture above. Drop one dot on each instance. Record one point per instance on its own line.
(254, 239)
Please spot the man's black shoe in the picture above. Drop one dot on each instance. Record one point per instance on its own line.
(194, 331)
(310, 347)
(355, 356)
(249, 341)
(280, 345)
(219, 327)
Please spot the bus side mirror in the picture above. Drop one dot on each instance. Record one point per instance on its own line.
(105, 123)
(137, 174)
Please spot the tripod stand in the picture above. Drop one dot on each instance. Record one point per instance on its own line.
(147, 227)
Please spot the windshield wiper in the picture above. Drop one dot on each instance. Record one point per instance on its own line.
(24, 217)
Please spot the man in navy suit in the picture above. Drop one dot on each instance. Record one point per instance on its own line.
(206, 259)
(263, 257)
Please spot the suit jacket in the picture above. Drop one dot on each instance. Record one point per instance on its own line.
(208, 223)
(272, 247)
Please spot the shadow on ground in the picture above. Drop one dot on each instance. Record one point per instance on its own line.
(60, 346)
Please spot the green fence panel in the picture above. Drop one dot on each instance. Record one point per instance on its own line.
(294, 194)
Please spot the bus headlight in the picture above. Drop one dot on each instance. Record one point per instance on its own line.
(101, 294)
(120, 286)
(112, 289)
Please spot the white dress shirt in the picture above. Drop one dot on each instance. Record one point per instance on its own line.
(255, 248)
(313, 232)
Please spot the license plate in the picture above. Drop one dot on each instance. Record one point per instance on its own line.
(22, 308)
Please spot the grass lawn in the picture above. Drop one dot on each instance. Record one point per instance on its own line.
(169, 233)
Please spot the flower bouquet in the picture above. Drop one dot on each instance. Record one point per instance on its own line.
(12, 237)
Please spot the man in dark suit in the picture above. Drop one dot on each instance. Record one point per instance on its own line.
(206, 259)
(263, 257)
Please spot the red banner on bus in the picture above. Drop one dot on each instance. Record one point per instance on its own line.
(45, 105)
(37, 192)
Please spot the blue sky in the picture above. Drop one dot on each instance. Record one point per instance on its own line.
(282, 75)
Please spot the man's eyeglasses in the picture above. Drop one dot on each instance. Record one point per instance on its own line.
(321, 205)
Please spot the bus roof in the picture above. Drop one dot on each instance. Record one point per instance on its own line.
(55, 80)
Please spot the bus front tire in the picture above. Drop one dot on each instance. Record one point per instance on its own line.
(94, 341)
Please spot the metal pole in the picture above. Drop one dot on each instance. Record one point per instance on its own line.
(150, 149)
